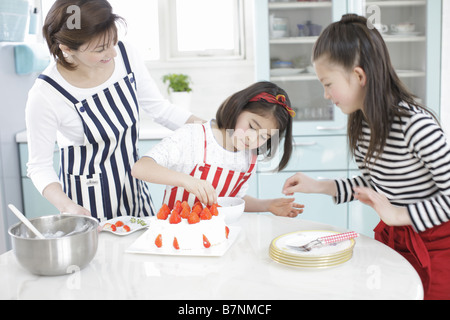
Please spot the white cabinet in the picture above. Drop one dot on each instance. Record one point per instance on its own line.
(412, 32)
(283, 55)
(319, 208)
(288, 33)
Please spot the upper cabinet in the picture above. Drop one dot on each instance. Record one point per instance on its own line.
(412, 32)
(287, 30)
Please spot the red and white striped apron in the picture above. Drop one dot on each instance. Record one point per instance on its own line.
(226, 182)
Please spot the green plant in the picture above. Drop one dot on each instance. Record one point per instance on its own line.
(178, 82)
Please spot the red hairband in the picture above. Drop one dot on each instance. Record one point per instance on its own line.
(279, 99)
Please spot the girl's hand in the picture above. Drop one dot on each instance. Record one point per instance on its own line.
(285, 207)
(304, 184)
(202, 189)
(297, 183)
(390, 214)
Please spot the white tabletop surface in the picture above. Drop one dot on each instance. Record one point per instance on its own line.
(245, 271)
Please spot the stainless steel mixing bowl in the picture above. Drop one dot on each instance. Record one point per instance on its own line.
(56, 255)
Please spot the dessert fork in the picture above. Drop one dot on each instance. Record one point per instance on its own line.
(326, 240)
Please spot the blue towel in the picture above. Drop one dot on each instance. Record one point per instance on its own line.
(30, 58)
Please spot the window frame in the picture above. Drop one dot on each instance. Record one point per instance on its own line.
(173, 54)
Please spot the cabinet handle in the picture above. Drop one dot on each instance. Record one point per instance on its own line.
(320, 128)
(304, 144)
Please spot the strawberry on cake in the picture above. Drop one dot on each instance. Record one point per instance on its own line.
(186, 229)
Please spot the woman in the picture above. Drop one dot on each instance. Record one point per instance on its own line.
(89, 100)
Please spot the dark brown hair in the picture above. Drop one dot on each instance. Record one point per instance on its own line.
(96, 19)
(351, 43)
(230, 110)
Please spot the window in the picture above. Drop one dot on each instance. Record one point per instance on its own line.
(165, 29)
(206, 28)
(142, 30)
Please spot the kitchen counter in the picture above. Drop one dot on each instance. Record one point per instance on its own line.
(245, 271)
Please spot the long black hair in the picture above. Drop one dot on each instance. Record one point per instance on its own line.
(229, 111)
(351, 43)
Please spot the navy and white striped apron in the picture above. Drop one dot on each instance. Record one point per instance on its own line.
(97, 175)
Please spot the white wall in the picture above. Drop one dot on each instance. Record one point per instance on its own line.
(213, 82)
(445, 89)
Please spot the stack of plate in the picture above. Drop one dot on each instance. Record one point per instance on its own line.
(319, 257)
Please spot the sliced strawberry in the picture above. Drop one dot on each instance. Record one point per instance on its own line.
(174, 217)
(227, 231)
(197, 207)
(185, 212)
(185, 204)
(113, 227)
(126, 228)
(107, 226)
(119, 224)
(193, 218)
(158, 241)
(206, 242)
(213, 210)
(205, 214)
(177, 207)
(164, 212)
(175, 243)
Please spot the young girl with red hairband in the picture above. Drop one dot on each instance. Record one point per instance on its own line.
(201, 162)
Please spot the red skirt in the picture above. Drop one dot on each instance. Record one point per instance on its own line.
(428, 252)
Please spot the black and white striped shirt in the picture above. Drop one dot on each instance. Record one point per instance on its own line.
(413, 171)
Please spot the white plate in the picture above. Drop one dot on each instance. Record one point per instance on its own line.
(144, 245)
(134, 223)
(301, 238)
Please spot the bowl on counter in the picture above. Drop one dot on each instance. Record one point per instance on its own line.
(231, 208)
(70, 244)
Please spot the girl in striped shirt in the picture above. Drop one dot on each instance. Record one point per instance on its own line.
(398, 145)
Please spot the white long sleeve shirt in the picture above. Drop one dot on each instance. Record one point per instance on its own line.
(50, 119)
(184, 149)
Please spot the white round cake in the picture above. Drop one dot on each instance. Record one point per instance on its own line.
(198, 231)
(203, 234)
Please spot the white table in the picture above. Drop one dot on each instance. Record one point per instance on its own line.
(244, 272)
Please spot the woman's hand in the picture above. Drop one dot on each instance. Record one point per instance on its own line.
(285, 207)
(304, 184)
(56, 196)
(74, 208)
(390, 214)
(202, 189)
